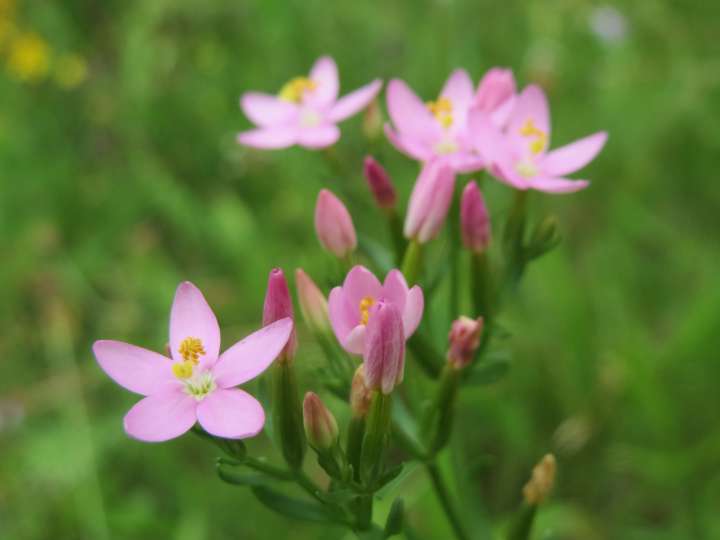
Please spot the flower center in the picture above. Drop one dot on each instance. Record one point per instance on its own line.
(191, 348)
(365, 305)
(442, 111)
(446, 146)
(200, 385)
(538, 136)
(526, 168)
(295, 89)
(309, 118)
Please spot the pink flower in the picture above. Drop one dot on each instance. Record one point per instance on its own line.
(305, 111)
(197, 383)
(429, 202)
(519, 155)
(333, 225)
(474, 219)
(496, 95)
(437, 129)
(384, 357)
(350, 305)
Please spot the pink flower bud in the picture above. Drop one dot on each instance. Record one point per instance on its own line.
(380, 183)
(496, 88)
(474, 219)
(429, 202)
(278, 305)
(360, 394)
(333, 225)
(384, 357)
(321, 429)
(313, 305)
(464, 340)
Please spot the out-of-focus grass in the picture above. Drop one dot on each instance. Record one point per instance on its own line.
(118, 186)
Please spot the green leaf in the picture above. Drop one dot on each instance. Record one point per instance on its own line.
(340, 496)
(291, 507)
(395, 519)
(243, 479)
(488, 372)
(393, 477)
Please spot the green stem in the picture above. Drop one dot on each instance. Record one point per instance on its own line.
(377, 434)
(308, 485)
(270, 470)
(287, 414)
(412, 262)
(454, 230)
(427, 358)
(514, 237)
(356, 431)
(439, 419)
(443, 496)
(396, 234)
(481, 283)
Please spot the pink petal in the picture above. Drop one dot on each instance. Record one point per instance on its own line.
(569, 158)
(250, 357)
(395, 289)
(269, 138)
(558, 185)
(465, 162)
(359, 283)
(318, 137)
(459, 90)
(267, 110)
(530, 105)
(137, 369)
(413, 312)
(161, 417)
(410, 115)
(354, 342)
(408, 146)
(324, 73)
(355, 101)
(231, 414)
(487, 138)
(496, 94)
(191, 317)
(342, 318)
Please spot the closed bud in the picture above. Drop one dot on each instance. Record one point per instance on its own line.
(372, 124)
(429, 202)
(541, 482)
(464, 340)
(384, 356)
(321, 429)
(278, 305)
(380, 184)
(333, 225)
(474, 219)
(360, 394)
(313, 304)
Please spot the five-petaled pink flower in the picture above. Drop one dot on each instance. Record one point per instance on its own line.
(197, 383)
(518, 155)
(305, 111)
(349, 305)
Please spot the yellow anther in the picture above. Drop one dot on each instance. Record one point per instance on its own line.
(442, 110)
(295, 89)
(365, 305)
(529, 129)
(183, 370)
(191, 349)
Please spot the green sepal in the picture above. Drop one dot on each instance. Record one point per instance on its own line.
(293, 508)
(395, 519)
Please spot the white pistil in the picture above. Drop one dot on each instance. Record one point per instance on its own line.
(200, 385)
(309, 118)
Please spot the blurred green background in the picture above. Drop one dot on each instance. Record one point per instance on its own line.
(120, 177)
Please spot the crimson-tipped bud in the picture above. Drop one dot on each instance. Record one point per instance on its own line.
(278, 305)
(360, 394)
(313, 304)
(333, 225)
(541, 482)
(380, 184)
(384, 356)
(321, 429)
(429, 202)
(474, 219)
(464, 340)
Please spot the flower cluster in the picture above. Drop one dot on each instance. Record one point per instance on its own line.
(365, 326)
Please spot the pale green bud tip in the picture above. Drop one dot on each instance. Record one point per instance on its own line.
(321, 428)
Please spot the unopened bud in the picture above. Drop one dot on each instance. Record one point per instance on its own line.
(464, 340)
(372, 124)
(541, 482)
(429, 202)
(278, 305)
(380, 184)
(333, 225)
(360, 394)
(313, 304)
(384, 356)
(321, 429)
(474, 219)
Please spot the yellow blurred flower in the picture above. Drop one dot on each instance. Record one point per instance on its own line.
(70, 71)
(28, 57)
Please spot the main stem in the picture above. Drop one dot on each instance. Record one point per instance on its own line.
(444, 496)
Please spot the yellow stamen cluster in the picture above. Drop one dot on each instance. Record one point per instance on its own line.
(295, 89)
(190, 349)
(365, 305)
(541, 482)
(442, 110)
(28, 57)
(529, 129)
